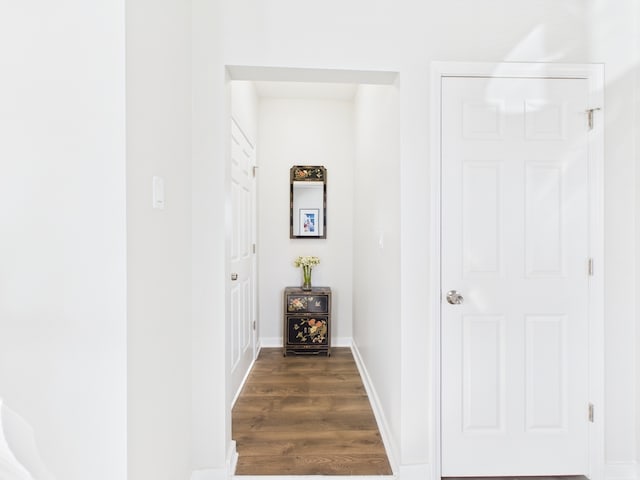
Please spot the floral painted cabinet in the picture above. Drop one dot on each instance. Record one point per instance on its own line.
(307, 321)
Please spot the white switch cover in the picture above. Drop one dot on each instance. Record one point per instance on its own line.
(158, 193)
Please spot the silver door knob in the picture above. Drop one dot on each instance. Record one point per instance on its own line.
(454, 298)
(234, 276)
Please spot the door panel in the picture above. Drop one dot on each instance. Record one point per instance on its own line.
(481, 219)
(515, 245)
(546, 370)
(483, 382)
(243, 288)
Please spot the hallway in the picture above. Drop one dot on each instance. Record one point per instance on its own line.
(306, 415)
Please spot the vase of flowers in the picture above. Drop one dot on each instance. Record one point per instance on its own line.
(307, 264)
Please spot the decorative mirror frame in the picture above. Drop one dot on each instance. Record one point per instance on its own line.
(308, 173)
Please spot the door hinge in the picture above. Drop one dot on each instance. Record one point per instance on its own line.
(590, 267)
(254, 324)
(254, 170)
(591, 412)
(253, 247)
(590, 116)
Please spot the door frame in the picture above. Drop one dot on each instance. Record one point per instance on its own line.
(594, 74)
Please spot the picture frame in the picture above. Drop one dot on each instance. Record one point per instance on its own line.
(309, 218)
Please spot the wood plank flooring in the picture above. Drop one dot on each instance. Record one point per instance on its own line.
(306, 415)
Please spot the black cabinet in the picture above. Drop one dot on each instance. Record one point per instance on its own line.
(307, 321)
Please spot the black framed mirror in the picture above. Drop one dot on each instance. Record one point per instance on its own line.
(308, 202)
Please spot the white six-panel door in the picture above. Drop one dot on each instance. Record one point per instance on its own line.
(242, 261)
(514, 244)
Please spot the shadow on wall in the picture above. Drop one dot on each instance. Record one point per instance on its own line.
(19, 458)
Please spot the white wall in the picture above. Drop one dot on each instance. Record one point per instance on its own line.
(304, 132)
(62, 231)
(244, 107)
(637, 215)
(405, 36)
(376, 246)
(210, 402)
(159, 241)
(63, 123)
(614, 36)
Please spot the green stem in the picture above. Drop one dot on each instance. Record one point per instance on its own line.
(306, 276)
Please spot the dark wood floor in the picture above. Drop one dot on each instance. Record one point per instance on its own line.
(306, 415)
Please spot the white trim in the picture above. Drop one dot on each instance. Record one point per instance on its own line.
(313, 75)
(595, 75)
(246, 375)
(515, 70)
(276, 342)
(437, 71)
(378, 412)
(416, 472)
(232, 459)
(596, 281)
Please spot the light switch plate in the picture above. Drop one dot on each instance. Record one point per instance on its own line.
(158, 192)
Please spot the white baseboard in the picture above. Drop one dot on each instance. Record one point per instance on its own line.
(276, 342)
(621, 471)
(383, 425)
(209, 474)
(271, 342)
(232, 459)
(220, 473)
(415, 472)
(244, 379)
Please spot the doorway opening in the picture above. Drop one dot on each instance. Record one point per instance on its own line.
(315, 117)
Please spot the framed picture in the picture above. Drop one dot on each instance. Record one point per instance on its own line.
(309, 222)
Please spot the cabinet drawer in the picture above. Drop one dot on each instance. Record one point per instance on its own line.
(308, 330)
(307, 304)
